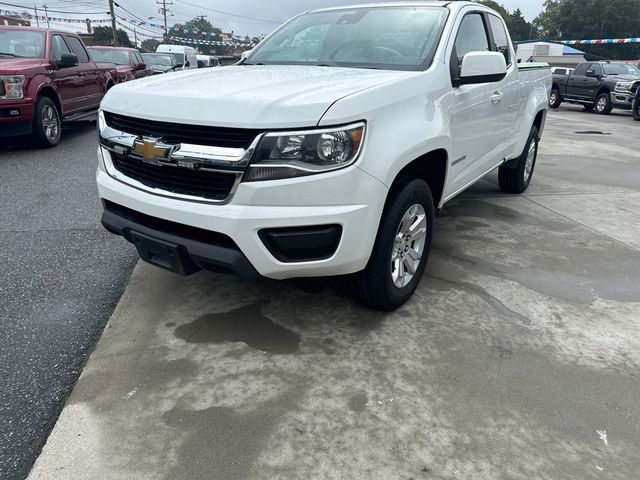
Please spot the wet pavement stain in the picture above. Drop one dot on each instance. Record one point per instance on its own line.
(358, 402)
(245, 324)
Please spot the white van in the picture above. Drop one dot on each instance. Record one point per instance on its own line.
(206, 61)
(185, 56)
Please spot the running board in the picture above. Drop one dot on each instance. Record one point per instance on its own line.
(82, 116)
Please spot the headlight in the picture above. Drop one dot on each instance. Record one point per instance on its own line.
(294, 154)
(102, 122)
(623, 86)
(11, 87)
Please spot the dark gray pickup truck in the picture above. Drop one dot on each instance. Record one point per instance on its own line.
(598, 86)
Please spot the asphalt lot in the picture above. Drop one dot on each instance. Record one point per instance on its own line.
(61, 278)
(517, 358)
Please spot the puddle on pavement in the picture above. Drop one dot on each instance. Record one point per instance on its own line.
(245, 324)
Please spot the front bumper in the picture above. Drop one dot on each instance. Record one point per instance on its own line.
(16, 118)
(348, 198)
(622, 100)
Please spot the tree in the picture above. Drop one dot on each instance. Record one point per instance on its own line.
(518, 27)
(209, 32)
(104, 36)
(593, 19)
(149, 45)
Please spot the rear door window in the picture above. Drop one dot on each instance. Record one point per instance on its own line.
(581, 69)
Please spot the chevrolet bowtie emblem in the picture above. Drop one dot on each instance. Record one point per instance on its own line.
(151, 150)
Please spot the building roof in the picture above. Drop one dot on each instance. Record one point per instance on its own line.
(557, 61)
(571, 51)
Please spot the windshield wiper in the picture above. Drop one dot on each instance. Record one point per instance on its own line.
(10, 54)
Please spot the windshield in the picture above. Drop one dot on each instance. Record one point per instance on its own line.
(163, 60)
(21, 43)
(395, 38)
(119, 57)
(621, 69)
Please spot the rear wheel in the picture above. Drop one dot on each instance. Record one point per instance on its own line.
(47, 124)
(402, 247)
(603, 104)
(515, 176)
(554, 99)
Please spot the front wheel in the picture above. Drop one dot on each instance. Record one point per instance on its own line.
(402, 247)
(47, 125)
(603, 104)
(636, 108)
(515, 175)
(555, 99)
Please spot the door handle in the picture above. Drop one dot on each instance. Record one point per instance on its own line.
(496, 97)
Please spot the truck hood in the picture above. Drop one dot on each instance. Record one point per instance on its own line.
(624, 78)
(250, 96)
(10, 65)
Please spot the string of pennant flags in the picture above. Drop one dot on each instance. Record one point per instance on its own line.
(28, 16)
(604, 41)
(197, 41)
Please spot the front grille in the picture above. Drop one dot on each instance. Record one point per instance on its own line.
(198, 183)
(175, 133)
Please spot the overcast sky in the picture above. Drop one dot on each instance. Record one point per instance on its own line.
(253, 17)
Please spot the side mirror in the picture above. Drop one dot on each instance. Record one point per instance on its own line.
(67, 60)
(245, 54)
(591, 73)
(141, 66)
(481, 67)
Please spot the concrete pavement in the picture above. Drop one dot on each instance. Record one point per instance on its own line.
(517, 358)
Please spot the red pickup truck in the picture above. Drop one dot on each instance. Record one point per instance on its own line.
(47, 76)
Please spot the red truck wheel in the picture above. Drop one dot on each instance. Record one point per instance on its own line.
(47, 125)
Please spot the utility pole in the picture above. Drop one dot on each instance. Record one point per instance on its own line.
(163, 10)
(46, 15)
(113, 24)
(135, 37)
(36, 9)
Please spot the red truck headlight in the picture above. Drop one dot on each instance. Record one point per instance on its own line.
(11, 87)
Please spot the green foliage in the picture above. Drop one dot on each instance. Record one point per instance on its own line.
(149, 45)
(104, 35)
(519, 28)
(593, 19)
(201, 24)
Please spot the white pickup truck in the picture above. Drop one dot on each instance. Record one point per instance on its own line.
(327, 150)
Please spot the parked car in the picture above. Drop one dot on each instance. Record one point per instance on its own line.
(328, 150)
(160, 62)
(185, 56)
(46, 76)
(596, 85)
(128, 61)
(206, 61)
(635, 91)
(562, 70)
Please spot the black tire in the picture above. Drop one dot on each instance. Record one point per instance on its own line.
(589, 107)
(511, 175)
(47, 124)
(555, 99)
(375, 285)
(636, 108)
(603, 104)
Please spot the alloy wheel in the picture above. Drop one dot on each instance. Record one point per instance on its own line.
(50, 123)
(408, 246)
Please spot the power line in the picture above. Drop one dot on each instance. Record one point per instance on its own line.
(228, 13)
(53, 11)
